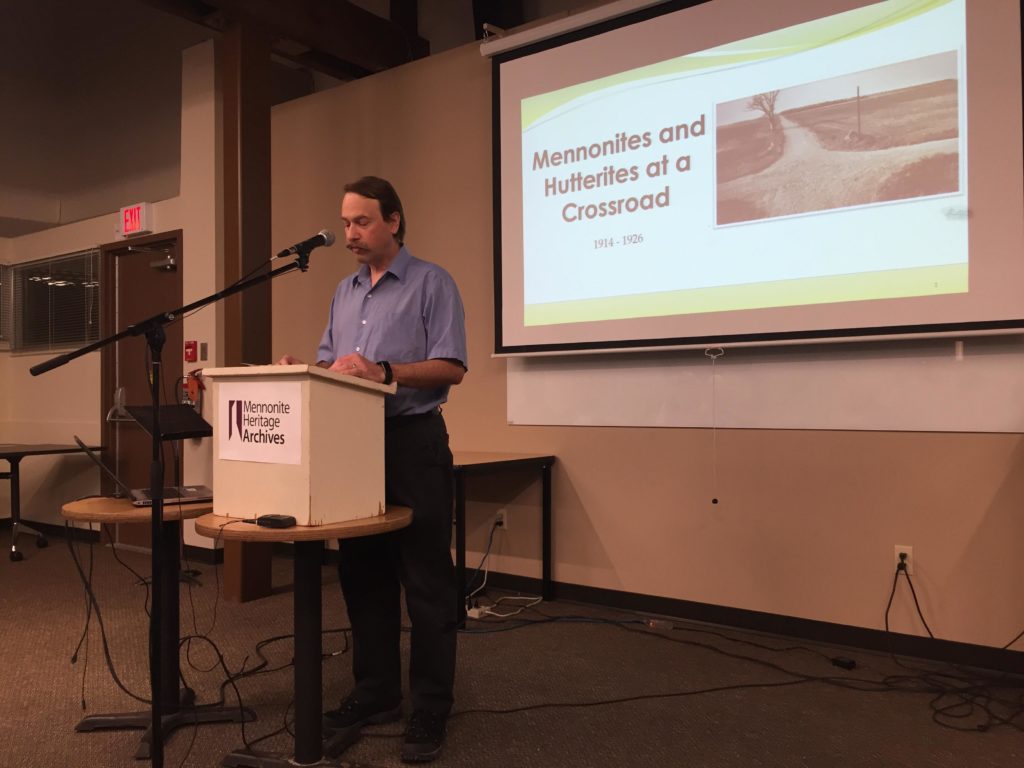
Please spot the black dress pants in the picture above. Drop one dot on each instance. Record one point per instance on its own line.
(374, 569)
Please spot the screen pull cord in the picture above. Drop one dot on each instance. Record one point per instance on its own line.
(714, 353)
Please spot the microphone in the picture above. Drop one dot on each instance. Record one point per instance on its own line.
(323, 237)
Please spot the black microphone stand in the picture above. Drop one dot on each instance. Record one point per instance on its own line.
(163, 651)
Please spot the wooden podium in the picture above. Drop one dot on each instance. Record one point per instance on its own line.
(297, 440)
(293, 440)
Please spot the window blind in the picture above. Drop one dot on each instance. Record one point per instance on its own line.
(56, 302)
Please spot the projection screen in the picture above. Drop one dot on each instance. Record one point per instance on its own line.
(733, 172)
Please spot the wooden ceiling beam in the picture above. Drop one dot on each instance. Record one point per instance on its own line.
(336, 28)
(339, 38)
(196, 11)
(405, 15)
(326, 64)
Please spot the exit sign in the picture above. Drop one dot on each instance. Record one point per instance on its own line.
(136, 220)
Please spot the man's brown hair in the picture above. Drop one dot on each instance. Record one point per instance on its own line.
(381, 190)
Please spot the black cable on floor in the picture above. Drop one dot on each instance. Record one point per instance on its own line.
(969, 696)
(230, 678)
(140, 580)
(99, 619)
(85, 629)
(260, 669)
(970, 692)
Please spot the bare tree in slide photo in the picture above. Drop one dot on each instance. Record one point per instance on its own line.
(765, 102)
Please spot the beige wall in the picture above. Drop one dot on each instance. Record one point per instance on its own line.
(807, 520)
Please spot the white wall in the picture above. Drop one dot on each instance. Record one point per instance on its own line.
(202, 221)
(57, 405)
(66, 401)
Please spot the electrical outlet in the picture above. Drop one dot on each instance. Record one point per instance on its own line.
(501, 519)
(904, 549)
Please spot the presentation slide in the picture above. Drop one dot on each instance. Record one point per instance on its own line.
(807, 178)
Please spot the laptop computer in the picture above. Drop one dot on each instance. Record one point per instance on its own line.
(141, 497)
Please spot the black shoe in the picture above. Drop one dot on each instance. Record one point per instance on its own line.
(353, 713)
(424, 737)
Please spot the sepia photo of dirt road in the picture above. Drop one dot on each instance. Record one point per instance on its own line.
(885, 134)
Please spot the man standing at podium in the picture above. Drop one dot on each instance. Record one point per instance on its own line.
(399, 319)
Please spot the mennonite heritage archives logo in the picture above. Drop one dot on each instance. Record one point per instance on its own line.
(260, 421)
(255, 422)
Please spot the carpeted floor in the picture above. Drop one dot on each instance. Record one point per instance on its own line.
(578, 687)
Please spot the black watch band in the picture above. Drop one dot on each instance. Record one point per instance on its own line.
(389, 375)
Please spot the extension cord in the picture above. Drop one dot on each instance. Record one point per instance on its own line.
(475, 613)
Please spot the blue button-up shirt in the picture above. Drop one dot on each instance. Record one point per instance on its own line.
(414, 313)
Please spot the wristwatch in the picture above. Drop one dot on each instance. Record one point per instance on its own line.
(389, 375)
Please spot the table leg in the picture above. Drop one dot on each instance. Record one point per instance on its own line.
(17, 527)
(545, 535)
(170, 664)
(460, 544)
(308, 622)
(15, 507)
(308, 647)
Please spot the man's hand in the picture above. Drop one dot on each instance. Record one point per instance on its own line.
(425, 374)
(355, 364)
(289, 360)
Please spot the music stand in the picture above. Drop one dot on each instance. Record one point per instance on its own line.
(177, 422)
